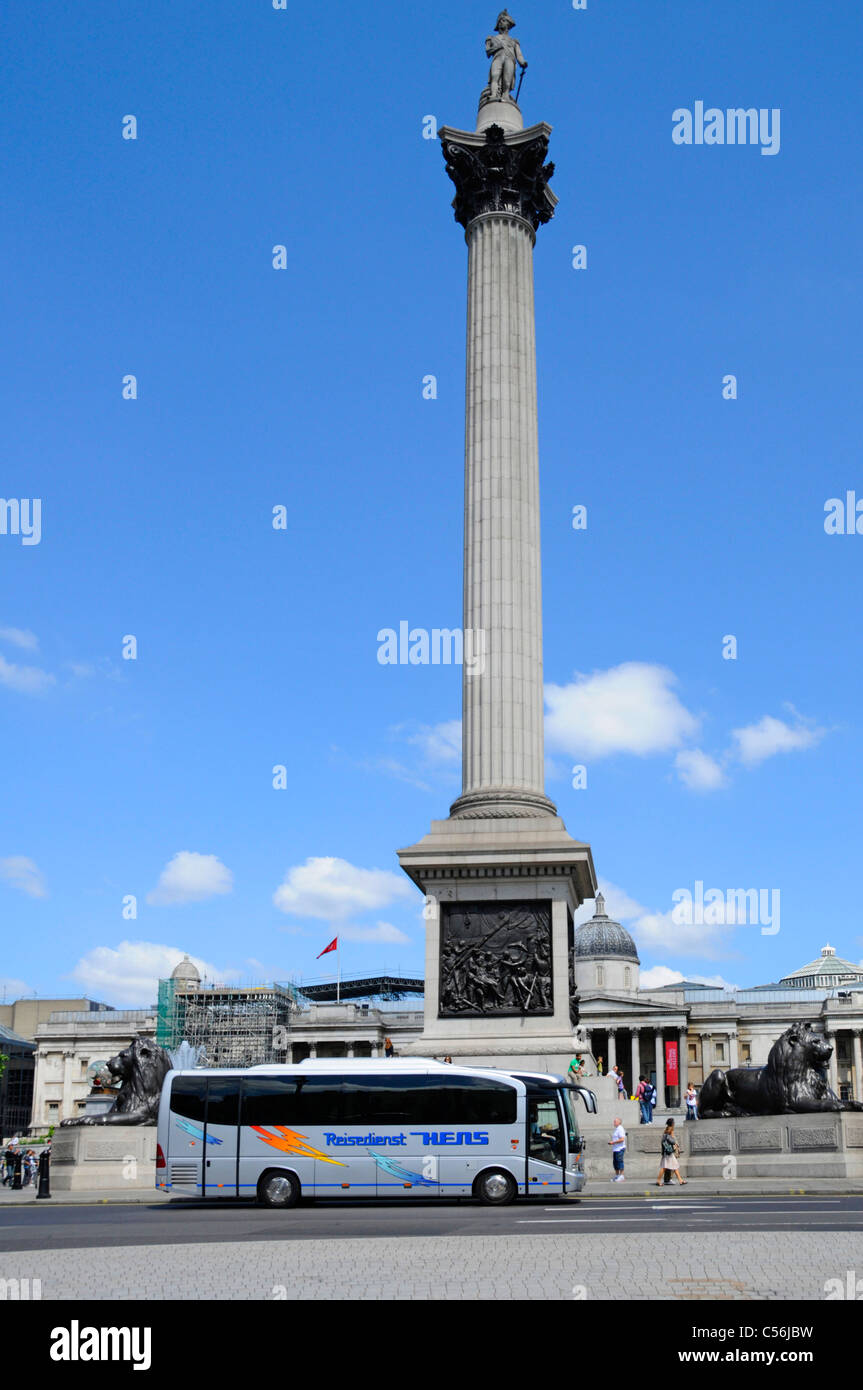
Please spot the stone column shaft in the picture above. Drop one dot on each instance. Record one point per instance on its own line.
(858, 1066)
(502, 196)
(833, 1039)
(611, 1060)
(660, 1069)
(636, 1062)
(683, 1061)
(503, 706)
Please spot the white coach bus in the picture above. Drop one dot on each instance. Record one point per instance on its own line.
(354, 1128)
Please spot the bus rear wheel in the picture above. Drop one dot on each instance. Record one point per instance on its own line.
(278, 1190)
(495, 1188)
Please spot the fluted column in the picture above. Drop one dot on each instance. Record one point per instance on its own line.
(660, 1069)
(502, 197)
(683, 1061)
(858, 1067)
(636, 1062)
(833, 1067)
(503, 703)
(611, 1059)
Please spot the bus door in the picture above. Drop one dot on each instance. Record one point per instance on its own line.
(545, 1143)
(186, 1137)
(220, 1136)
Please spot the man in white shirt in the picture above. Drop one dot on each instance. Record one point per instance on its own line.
(618, 1149)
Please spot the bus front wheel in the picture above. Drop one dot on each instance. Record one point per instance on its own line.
(278, 1190)
(495, 1188)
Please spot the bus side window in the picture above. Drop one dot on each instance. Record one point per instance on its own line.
(189, 1097)
(269, 1100)
(223, 1100)
(470, 1100)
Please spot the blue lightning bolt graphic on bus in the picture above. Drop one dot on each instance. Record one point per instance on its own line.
(396, 1170)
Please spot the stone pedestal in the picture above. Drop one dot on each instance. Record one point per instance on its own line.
(503, 113)
(516, 880)
(783, 1148)
(766, 1146)
(103, 1158)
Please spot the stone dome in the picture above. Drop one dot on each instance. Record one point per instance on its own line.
(603, 937)
(186, 973)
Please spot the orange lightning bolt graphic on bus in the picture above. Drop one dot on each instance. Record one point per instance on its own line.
(290, 1142)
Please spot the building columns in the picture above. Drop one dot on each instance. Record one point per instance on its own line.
(857, 1091)
(660, 1069)
(68, 1109)
(611, 1059)
(683, 1061)
(833, 1039)
(636, 1062)
(733, 1051)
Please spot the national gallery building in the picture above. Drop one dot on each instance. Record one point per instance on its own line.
(711, 1027)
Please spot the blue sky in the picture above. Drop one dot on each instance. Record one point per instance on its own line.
(303, 388)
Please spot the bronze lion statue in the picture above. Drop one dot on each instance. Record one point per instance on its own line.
(794, 1081)
(141, 1069)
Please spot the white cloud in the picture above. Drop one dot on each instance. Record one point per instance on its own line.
(440, 743)
(191, 878)
(383, 934)
(658, 931)
(698, 770)
(129, 974)
(24, 875)
(332, 889)
(12, 989)
(659, 975)
(27, 680)
(769, 736)
(631, 708)
(20, 637)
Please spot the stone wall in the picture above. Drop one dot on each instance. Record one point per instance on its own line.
(103, 1158)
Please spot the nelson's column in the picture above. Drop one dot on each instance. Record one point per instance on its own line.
(502, 877)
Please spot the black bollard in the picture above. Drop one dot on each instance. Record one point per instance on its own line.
(44, 1174)
(16, 1173)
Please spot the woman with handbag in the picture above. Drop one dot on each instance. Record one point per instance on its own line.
(670, 1155)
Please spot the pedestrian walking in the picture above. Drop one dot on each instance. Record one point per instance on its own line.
(8, 1165)
(670, 1156)
(618, 1149)
(691, 1098)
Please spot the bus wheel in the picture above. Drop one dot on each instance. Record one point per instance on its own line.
(278, 1190)
(495, 1188)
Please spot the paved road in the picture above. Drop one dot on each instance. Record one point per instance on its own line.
(188, 1223)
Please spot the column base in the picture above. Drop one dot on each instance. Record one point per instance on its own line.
(501, 804)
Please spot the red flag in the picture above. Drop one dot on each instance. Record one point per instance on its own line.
(332, 946)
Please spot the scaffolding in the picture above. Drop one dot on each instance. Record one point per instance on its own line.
(232, 1025)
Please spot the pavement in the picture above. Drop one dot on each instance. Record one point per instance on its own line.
(597, 1188)
(618, 1245)
(531, 1266)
